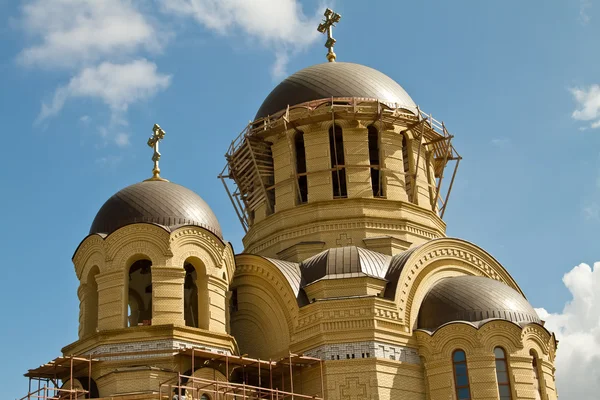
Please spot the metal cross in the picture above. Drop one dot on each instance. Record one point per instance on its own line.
(331, 18)
(158, 135)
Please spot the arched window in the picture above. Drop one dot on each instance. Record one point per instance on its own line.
(140, 293)
(195, 291)
(374, 161)
(461, 375)
(204, 397)
(537, 380)
(190, 296)
(90, 322)
(301, 167)
(406, 162)
(502, 374)
(336, 151)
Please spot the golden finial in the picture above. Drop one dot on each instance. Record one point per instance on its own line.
(331, 18)
(157, 136)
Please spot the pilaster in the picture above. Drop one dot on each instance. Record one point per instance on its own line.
(217, 303)
(356, 154)
(167, 295)
(393, 166)
(318, 165)
(283, 159)
(112, 304)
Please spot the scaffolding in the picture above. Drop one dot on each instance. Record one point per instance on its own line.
(48, 376)
(254, 378)
(249, 162)
(260, 379)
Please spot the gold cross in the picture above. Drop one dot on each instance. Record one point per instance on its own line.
(331, 18)
(158, 135)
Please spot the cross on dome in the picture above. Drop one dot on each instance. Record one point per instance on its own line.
(157, 135)
(331, 18)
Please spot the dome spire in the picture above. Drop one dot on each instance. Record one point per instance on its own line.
(157, 136)
(331, 18)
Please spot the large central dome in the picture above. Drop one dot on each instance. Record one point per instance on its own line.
(335, 79)
(156, 202)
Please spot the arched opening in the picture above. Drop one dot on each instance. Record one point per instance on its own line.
(338, 168)
(502, 374)
(90, 323)
(374, 161)
(139, 304)
(301, 167)
(537, 376)
(406, 164)
(461, 375)
(196, 303)
(190, 296)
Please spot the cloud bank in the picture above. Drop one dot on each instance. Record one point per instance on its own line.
(577, 328)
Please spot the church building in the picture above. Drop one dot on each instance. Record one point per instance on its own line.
(347, 287)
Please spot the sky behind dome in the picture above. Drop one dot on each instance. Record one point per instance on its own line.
(83, 82)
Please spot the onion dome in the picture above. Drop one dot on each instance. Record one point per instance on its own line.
(473, 299)
(344, 262)
(157, 202)
(335, 79)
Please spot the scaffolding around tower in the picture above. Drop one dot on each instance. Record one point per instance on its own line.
(249, 160)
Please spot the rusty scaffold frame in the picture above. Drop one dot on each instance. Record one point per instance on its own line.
(265, 374)
(48, 375)
(249, 161)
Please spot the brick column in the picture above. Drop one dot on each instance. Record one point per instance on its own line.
(167, 295)
(439, 379)
(521, 374)
(356, 152)
(318, 164)
(283, 157)
(482, 377)
(81, 295)
(112, 301)
(391, 160)
(217, 303)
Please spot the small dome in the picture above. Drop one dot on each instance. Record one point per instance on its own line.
(335, 79)
(344, 262)
(157, 202)
(473, 299)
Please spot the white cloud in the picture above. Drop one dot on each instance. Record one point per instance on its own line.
(122, 139)
(500, 142)
(588, 105)
(75, 32)
(117, 85)
(584, 6)
(279, 24)
(578, 330)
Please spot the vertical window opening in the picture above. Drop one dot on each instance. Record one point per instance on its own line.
(502, 374)
(234, 300)
(374, 161)
(537, 382)
(190, 296)
(90, 323)
(461, 375)
(140, 293)
(301, 167)
(336, 151)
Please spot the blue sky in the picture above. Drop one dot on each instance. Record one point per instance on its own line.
(82, 84)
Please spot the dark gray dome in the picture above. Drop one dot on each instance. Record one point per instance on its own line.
(344, 262)
(157, 202)
(473, 299)
(335, 79)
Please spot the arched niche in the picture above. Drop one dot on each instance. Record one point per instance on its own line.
(90, 304)
(138, 286)
(196, 300)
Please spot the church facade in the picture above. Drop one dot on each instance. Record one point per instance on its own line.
(347, 288)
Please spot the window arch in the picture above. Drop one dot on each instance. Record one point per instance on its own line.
(338, 168)
(537, 376)
(90, 322)
(301, 167)
(139, 303)
(461, 375)
(502, 376)
(195, 294)
(374, 161)
(190, 296)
